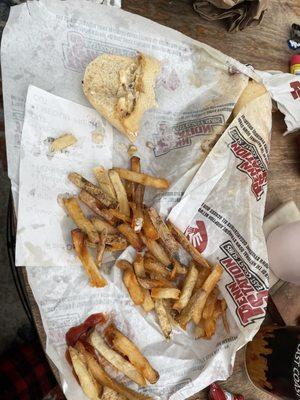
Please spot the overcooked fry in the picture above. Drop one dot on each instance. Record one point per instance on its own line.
(120, 192)
(124, 346)
(187, 288)
(124, 264)
(62, 142)
(89, 385)
(95, 191)
(208, 310)
(155, 283)
(196, 302)
(199, 330)
(101, 225)
(131, 236)
(153, 266)
(165, 293)
(101, 247)
(143, 179)
(95, 278)
(148, 228)
(96, 206)
(104, 379)
(209, 327)
(115, 359)
(164, 232)
(135, 290)
(188, 247)
(75, 212)
(103, 180)
(163, 318)
(156, 250)
(115, 242)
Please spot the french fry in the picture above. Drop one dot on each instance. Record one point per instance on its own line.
(89, 385)
(147, 283)
(109, 394)
(75, 212)
(104, 379)
(138, 198)
(196, 302)
(96, 206)
(165, 293)
(95, 191)
(156, 267)
(143, 179)
(209, 327)
(114, 213)
(208, 310)
(163, 318)
(223, 307)
(148, 228)
(188, 247)
(101, 247)
(188, 287)
(62, 142)
(148, 303)
(164, 233)
(172, 314)
(115, 359)
(199, 330)
(101, 225)
(135, 165)
(120, 192)
(124, 264)
(95, 278)
(178, 269)
(124, 346)
(116, 240)
(202, 276)
(103, 180)
(131, 236)
(137, 217)
(136, 292)
(139, 270)
(156, 250)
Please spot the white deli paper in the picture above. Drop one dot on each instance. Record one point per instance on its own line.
(223, 200)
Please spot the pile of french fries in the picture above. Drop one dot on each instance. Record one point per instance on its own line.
(89, 357)
(156, 280)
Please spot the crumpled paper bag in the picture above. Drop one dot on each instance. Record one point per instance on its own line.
(239, 13)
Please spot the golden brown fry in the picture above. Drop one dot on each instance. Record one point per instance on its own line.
(95, 278)
(163, 318)
(208, 310)
(131, 236)
(148, 303)
(143, 179)
(137, 217)
(165, 293)
(120, 192)
(63, 142)
(172, 314)
(164, 233)
(196, 302)
(136, 292)
(114, 213)
(75, 212)
(124, 264)
(95, 191)
(199, 330)
(116, 241)
(89, 385)
(156, 267)
(128, 349)
(101, 248)
(178, 269)
(155, 283)
(102, 377)
(202, 276)
(109, 394)
(100, 225)
(115, 359)
(209, 327)
(138, 265)
(188, 287)
(96, 206)
(156, 250)
(130, 186)
(185, 243)
(103, 180)
(148, 228)
(138, 198)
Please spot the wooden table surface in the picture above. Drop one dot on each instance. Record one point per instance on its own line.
(265, 48)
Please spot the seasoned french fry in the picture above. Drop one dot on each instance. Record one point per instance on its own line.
(202, 276)
(75, 212)
(120, 192)
(114, 213)
(62, 142)
(131, 236)
(136, 292)
(101, 247)
(156, 250)
(115, 359)
(96, 206)
(137, 217)
(95, 278)
(199, 330)
(178, 269)
(139, 270)
(124, 264)
(103, 180)
(124, 346)
(196, 302)
(148, 228)
(165, 293)
(143, 179)
(155, 283)
(188, 247)
(116, 241)
(95, 191)
(208, 310)
(172, 314)
(156, 267)
(109, 394)
(89, 385)
(102, 377)
(188, 287)
(164, 233)
(209, 327)
(101, 225)
(163, 318)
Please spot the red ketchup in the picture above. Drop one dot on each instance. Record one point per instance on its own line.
(216, 393)
(81, 331)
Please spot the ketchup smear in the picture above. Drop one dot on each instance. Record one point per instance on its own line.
(81, 331)
(216, 393)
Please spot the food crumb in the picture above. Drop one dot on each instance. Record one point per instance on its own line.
(132, 149)
(97, 136)
(62, 142)
(150, 145)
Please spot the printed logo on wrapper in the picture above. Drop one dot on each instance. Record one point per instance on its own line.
(252, 163)
(247, 290)
(296, 89)
(197, 235)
